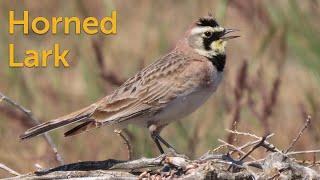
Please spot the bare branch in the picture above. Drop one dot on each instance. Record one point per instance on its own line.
(177, 167)
(19, 107)
(263, 139)
(107, 164)
(9, 170)
(235, 148)
(97, 174)
(34, 121)
(218, 148)
(243, 133)
(266, 144)
(126, 142)
(303, 152)
(305, 126)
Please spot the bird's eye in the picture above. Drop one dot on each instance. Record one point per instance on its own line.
(208, 34)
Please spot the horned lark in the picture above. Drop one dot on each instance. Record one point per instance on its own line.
(170, 88)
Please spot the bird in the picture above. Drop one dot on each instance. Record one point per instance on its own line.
(167, 90)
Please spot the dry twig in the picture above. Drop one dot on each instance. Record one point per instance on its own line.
(243, 133)
(235, 148)
(35, 122)
(266, 144)
(107, 164)
(9, 170)
(126, 142)
(263, 139)
(208, 165)
(305, 126)
(303, 152)
(218, 148)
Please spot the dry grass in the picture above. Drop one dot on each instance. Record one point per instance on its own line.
(273, 48)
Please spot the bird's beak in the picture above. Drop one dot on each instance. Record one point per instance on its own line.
(227, 31)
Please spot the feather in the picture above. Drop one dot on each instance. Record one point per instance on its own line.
(81, 115)
(80, 128)
(207, 21)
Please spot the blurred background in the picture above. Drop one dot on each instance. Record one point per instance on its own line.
(271, 80)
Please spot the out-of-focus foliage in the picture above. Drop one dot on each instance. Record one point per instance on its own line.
(303, 30)
(278, 39)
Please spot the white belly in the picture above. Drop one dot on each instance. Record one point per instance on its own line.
(185, 105)
(179, 107)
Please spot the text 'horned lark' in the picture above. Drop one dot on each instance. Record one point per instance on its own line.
(170, 88)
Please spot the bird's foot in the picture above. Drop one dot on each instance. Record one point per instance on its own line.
(174, 153)
(235, 165)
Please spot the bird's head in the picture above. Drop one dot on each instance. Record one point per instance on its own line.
(208, 38)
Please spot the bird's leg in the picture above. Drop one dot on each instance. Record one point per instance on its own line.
(172, 150)
(157, 143)
(164, 142)
(154, 132)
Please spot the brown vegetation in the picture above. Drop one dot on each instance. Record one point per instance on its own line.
(271, 82)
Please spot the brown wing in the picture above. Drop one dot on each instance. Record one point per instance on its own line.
(147, 92)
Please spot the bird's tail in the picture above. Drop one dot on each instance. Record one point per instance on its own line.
(82, 115)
